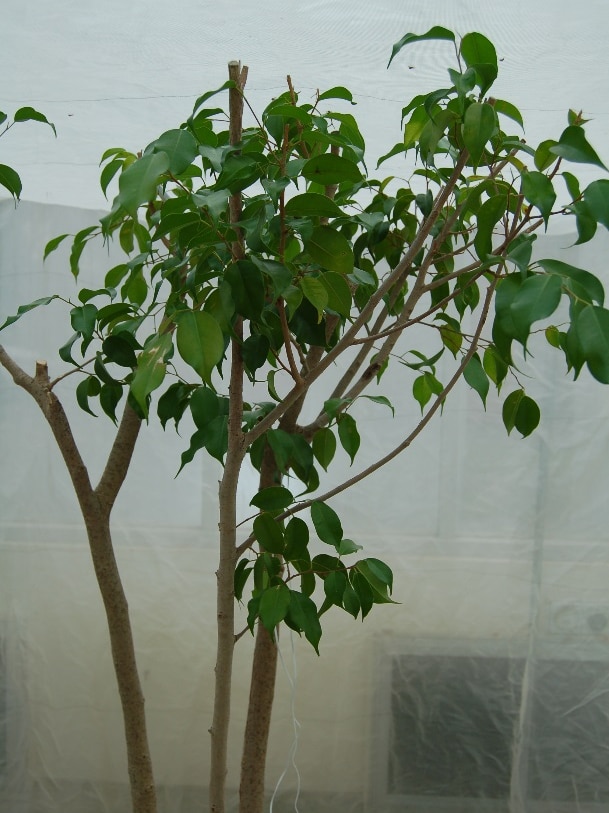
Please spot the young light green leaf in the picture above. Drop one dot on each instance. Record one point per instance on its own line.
(151, 368)
(200, 341)
(435, 33)
(339, 293)
(316, 293)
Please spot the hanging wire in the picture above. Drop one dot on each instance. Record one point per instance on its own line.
(291, 760)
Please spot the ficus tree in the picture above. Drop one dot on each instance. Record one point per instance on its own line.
(261, 259)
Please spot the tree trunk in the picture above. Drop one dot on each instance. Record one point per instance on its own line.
(262, 692)
(96, 506)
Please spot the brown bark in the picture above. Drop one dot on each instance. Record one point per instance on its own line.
(225, 606)
(96, 506)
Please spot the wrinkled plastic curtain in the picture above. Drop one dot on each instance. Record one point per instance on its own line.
(485, 688)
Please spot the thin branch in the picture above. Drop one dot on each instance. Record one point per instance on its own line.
(119, 458)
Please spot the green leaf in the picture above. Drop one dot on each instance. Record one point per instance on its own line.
(339, 293)
(494, 366)
(37, 303)
(200, 341)
(109, 398)
(592, 327)
(435, 33)
(596, 196)
(544, 157)
(573, 147)
(479, 124)
(268, 533)
(88, 388)
(537, 298)
(29, 114)
(83, 319)
(509, 110)
(348, 435)
(208, 95)
(10, 180)
(138, 183)
(316, 293)
(331, 250)
(479, 53)
(180, 147)
(274, 605)
(324, 446)
(377, 578)
(327, 523)
(328, 169)
(336, 93)
(151, 368)
(312, 204)
(52, 244)
(424, 387)
(520, 412)
(380, 399)
(303, 613)
(362, 590)
(242, 572)
(592, 286)
(296, 542)
(476, 377)
(537, 189)
(489, 214)
(80, 241)
(334, 587)
(120, 349)
(273, 498)
(108, 173)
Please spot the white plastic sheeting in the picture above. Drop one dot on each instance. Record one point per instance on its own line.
(488, 682)
(487, 687)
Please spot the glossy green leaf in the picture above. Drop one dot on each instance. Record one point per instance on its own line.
(328, 169)
(338, 92)
(476, 377)
(574, 147)
(377, 578)
(88, 388)
(274, 604)
(324, 446)
(331, 250)
(108, 172)
(180, 148)
(478, 126)
(29, 114)
(273, 498)
(327, 523)
(316, 293)
(200, 341)
(348, 435)
(312, 204)
(489, 214)
(339, 293)
(334, 587)
(138, 183)
(363, 590)
(242, 572)
(592, 326)
(537, 298)
(479, 53)
(208, 95)
(596, 197)
(296, 541)
(592, 286)
(10, 180)
(109, 398)
(509, 110)
(520, 412)
(151, 368)
(303, 613)
(494, 366)
(537, 188)
(268, 533)
(435, 33)
(380, 399)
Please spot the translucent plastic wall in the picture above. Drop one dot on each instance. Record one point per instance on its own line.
(485, 688)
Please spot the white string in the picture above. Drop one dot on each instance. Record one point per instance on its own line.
(291, 760)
